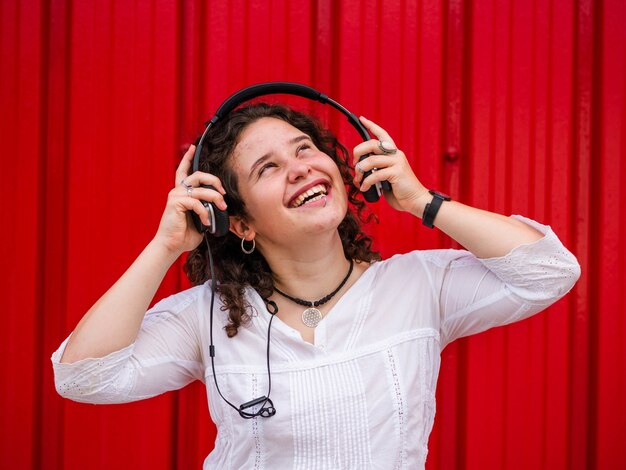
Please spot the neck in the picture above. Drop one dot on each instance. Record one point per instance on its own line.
(310, 271)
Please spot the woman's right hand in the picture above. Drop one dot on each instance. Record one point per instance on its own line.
(176, 230)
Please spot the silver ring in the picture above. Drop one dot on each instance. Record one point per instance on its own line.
(386, 147)
(189, 190)
(358, 168)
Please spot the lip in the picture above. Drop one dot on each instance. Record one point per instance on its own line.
(308, 186)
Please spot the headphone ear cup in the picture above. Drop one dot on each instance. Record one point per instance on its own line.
(219, 219)
(222, 222)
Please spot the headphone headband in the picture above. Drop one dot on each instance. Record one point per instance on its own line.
(269, 88)
(275, 88)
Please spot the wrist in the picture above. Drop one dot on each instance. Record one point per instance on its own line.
(162, 251)
(420, 203)
(431, 209)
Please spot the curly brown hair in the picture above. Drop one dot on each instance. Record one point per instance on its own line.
(236, 270)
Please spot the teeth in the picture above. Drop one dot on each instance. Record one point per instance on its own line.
(316, 198)
(320, 190)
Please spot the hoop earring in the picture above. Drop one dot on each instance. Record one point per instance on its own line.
(243, 248)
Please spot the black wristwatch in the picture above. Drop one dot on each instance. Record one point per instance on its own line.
(431, 209)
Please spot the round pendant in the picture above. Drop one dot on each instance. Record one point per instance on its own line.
(311, 317)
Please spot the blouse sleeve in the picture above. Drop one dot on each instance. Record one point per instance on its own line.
(165, 356)
(478, 294)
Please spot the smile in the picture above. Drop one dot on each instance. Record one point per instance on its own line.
(313, 194)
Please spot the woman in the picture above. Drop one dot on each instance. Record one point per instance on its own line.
(353, 385)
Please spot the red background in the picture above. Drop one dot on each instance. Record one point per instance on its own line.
(512, 106)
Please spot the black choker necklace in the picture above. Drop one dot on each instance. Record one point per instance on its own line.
(312, 316)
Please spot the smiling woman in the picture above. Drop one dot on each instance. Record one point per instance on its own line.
(356, 341)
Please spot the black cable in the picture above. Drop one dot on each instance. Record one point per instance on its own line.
(266, 409)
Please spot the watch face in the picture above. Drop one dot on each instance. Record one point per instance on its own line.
(443, 196)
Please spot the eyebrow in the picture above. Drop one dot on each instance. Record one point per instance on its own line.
(268, 155)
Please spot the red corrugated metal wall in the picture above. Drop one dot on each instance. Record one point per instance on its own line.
(512, 106)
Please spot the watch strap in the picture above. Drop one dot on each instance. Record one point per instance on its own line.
(431, 209)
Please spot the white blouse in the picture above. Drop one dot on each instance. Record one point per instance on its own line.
(363, 395)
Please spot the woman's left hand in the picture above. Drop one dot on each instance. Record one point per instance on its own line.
(406, 190)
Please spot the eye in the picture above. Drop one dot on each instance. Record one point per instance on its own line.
(303, 147)
(265, 167)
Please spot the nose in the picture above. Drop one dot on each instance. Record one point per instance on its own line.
(297, 170)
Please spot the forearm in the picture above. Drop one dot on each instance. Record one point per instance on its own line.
(114, 321)
(485, 234)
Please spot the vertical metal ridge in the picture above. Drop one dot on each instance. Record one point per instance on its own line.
(545, 211)
(502, 189)
(67, 71)
(620, 298)
(547, 207)
(314, 32)
(507, 200)
(579, 326)
(42, 189)
(596, 232)
(532, 125)
(199, 40)
(452, 63)
(491, 205)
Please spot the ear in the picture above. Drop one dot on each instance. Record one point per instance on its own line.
(239, 226)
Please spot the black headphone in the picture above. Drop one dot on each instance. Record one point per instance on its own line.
(219, 218)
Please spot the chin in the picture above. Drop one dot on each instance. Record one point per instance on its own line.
(329, 221)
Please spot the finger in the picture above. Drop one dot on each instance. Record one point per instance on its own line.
(185, 165)
(377, 176)
(379, 132)
(206, 194)
(364, 148)
(196, 206)
(199, 193)
(375, 161)
(199, 177)
(359, 171)
(184, 204)
(371, 163)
